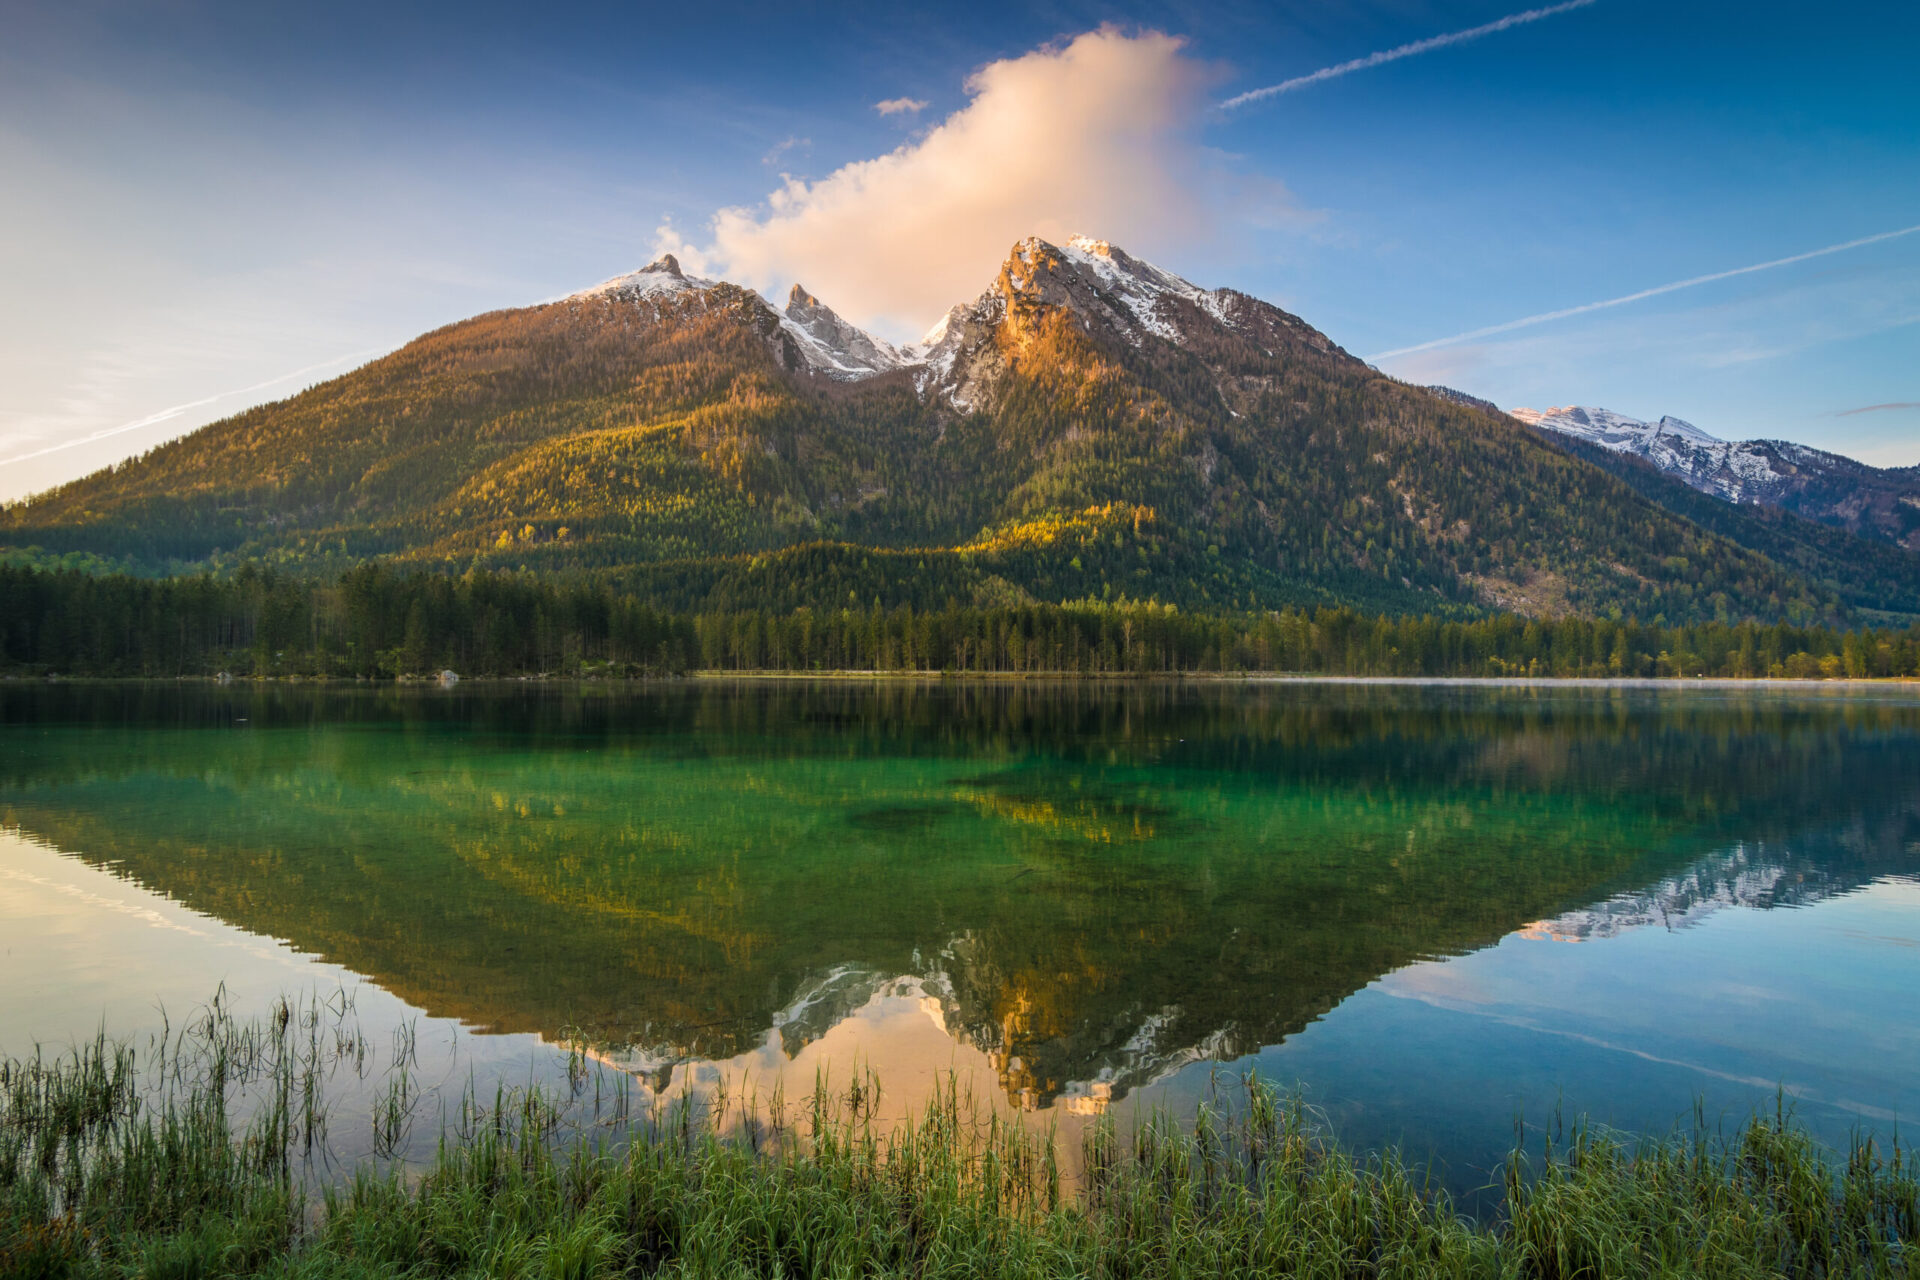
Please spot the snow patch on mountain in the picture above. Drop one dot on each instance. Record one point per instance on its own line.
(1107, 290)
(1827, 487)
(1137, 286)
(934, 355)
(1740, 471)
(826, 343)
(831, 344)
(661, 278)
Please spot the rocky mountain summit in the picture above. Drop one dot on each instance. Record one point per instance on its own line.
(831, 344)
(1111, 294)
(1815, 484)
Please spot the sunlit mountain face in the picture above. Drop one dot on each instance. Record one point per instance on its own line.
(1089, 426)
(1092, 886)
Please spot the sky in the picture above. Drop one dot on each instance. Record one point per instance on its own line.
(208, 205)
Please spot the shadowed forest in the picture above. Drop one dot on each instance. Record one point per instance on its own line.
(375, 623)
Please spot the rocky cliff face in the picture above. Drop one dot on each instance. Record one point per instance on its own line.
(832, 345)
(1111, 295)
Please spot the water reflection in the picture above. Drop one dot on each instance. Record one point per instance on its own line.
(1080, 890)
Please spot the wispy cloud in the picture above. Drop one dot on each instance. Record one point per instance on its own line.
(1879, 408)
(168, 414)
(786, 144)
(1656, 291)
(1403, 51)
(900, 106)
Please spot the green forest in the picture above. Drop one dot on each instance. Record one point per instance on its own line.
(375, 623)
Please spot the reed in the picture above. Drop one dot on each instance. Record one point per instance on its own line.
(201, 1162)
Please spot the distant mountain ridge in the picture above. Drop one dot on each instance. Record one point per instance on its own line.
(1827, 487)
(1089, 427)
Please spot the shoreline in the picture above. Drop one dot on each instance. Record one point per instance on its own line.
(858, 676)
(1262, 677)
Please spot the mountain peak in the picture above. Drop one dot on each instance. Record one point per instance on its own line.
(1082, 430)
(1609, 429)
(1106, 287)
(1110, 294)
(1822, 486)
(658, 278)
(830, 344)
(1107, 291)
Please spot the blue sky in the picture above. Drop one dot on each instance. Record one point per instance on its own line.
(220, 203)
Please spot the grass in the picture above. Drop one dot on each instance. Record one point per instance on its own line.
(209, 1159)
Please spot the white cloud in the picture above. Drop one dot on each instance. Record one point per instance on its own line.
(898, 106)
(786, 144)
(1095, 135)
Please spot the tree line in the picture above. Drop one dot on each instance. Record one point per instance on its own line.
(374, 622)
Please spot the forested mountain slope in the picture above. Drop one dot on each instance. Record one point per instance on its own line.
(1870, 575)
(1089, 427)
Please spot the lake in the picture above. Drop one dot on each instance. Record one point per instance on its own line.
(1446, 914)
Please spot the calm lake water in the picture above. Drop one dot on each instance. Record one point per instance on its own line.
(1439, 911)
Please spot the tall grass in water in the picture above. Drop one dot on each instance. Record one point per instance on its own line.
(101, 1178)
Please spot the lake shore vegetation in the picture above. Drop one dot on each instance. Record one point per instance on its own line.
(200, 1161)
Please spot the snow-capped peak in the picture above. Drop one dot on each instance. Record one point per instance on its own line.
(1118, 268)
(660, 278)
(933, 336)
(1609, 429)
(1810, 482)
(1099, 281)
(1743, 471)
(830, 344)
(1108, 291)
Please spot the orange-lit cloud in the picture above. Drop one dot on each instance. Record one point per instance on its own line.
(1092, 135)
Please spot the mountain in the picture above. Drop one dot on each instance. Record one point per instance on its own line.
(1822, 486)
(833, 346)
(1877, 581)
(1091, 426)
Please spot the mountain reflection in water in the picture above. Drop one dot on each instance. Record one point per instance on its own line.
(1090, 885)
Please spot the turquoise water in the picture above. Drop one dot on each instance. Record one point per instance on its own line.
(1441, 912)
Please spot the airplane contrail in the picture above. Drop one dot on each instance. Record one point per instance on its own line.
(155, 419)
(1878, 408)
(1625, 298)
(1404, 51)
